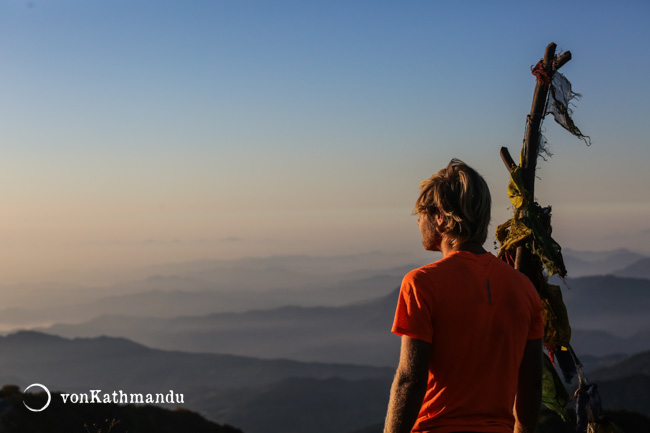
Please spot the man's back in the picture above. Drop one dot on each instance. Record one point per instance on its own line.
(478, 313)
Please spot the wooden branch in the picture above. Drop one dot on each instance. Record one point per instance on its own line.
(561, 60)
(507, 159)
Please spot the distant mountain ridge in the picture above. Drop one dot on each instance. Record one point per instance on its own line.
(204, 287)
(638, 269)
(360, 333)
(108, 363)
(602, 343)
(172, 296)
(633, 365)
(589, 263)
(626, 384)
(614, 304)
(357, 333)
(283, 395)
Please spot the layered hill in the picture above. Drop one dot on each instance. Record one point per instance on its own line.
(608, 315)
(638, 269)
(172, 296)
(626, 384)
(589, 263)
(116, 363)
(263, 396)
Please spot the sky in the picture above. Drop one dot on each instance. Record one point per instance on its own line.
(137, 132)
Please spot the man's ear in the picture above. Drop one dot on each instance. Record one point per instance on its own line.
(440, 220)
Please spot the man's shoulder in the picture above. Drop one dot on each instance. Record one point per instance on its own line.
(425, 271)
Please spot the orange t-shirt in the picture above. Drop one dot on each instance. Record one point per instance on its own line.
(478, 313)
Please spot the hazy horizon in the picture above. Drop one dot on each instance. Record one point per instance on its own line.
(102, 276)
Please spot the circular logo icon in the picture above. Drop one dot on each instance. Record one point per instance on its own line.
(49, 397)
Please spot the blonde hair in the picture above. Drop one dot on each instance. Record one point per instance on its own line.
(462, 198)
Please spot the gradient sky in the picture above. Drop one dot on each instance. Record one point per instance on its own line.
(150, 131)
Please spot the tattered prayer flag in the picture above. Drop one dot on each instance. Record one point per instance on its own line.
(559, 98)
(557, 330)
(554, 395)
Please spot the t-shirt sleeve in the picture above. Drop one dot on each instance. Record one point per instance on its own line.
(413, 314)
(537, 323)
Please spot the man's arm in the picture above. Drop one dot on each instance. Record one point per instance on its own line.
(409, 386)
(529, 389)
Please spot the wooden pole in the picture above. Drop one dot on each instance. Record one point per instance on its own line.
(544, 71)
(524, 259)
(550, 64)
(537, 111)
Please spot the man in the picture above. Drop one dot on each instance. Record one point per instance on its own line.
(471, 325)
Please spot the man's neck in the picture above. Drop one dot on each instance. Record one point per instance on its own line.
(447, 247)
